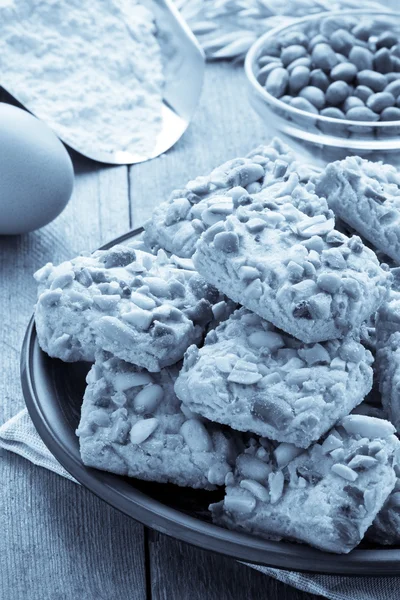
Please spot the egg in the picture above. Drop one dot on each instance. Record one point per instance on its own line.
(36, 172)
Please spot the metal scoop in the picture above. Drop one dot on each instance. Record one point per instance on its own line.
(183, 73)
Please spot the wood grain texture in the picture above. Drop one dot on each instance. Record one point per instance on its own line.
(187, 573)
(60, 542)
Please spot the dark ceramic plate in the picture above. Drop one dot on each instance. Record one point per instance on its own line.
(53, 393)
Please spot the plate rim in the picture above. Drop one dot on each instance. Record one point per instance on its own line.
(154, 514)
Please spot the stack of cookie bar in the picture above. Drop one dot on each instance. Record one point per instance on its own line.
(243, 275)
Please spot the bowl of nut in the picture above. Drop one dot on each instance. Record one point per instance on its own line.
(331, 84)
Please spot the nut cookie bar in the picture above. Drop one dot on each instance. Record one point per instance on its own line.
(388, 368)
(132, 424)
(177, 224)
(366, 195)
(388, 351)
(254, 378)
(294, 270)
(385, 530)
(327, 496)
(144, 309)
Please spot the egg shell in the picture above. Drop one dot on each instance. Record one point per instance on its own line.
(36, 172)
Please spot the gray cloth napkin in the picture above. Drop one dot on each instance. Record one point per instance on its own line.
(19, 435)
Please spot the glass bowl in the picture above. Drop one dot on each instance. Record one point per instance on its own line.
(324, 138)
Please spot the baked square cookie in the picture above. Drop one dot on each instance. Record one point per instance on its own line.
(388, 351)
(294, 270)
(132, 424)
(366, 195)
(385, 529)
(267, 173)
(327, 496)
(253, 377)
(144, 309)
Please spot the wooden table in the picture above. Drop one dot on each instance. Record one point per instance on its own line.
(57, 540)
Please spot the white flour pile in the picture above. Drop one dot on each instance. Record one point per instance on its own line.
(91, 70)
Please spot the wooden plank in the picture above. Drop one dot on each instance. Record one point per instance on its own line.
(224, 126)
(58, 540)
(181, 571)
